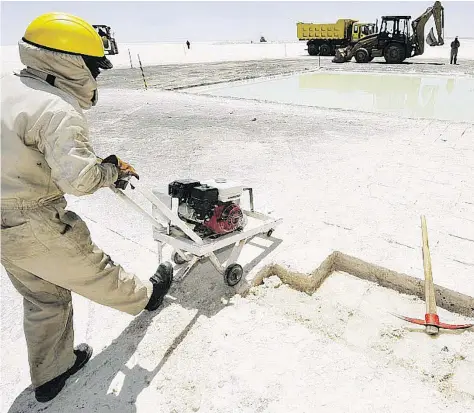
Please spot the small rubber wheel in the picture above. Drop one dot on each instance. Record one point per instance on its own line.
(270, 232)
(178, 259)
(233, 274)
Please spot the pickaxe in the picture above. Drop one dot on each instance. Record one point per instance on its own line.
(431, 321)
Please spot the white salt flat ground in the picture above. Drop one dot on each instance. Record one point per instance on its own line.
(169, 53)
(343, 181)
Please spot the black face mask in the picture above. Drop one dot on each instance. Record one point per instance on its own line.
(94, 64)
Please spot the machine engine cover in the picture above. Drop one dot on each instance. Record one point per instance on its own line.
(228, 190)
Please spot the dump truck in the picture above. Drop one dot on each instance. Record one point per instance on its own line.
(324, 39)
(398, 39)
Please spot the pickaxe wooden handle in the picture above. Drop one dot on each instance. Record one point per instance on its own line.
(430, 298)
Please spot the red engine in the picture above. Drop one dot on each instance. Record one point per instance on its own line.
(212, 208)
(225, 218)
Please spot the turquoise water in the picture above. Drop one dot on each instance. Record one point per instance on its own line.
(431, 97)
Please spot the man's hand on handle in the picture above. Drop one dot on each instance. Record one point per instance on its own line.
(125, 171)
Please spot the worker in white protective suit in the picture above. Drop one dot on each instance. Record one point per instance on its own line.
(47, 250)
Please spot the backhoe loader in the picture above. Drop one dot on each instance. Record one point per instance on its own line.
(394, 41)
(105, 32)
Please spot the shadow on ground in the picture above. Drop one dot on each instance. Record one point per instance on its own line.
(414, 63)
(202, 290)
(113, 359)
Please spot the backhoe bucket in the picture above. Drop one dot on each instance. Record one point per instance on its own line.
(341, 56)
(431, 39)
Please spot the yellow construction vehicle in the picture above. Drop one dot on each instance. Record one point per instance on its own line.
(110, 44)
(395, 42)
(324, 38)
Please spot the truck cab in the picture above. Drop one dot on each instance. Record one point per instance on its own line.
(396, 27)
(360, 30)
(395, 31)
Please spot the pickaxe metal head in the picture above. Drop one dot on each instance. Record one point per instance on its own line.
(433, 320)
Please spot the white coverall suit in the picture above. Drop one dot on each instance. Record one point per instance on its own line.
(46, 250)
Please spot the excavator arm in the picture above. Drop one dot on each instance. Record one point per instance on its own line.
(418, 26)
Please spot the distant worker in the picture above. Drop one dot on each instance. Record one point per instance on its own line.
(454, 50)
(188, 44)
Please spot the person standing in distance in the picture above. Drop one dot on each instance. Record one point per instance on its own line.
(454, 50)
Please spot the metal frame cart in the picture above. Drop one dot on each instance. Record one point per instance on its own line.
(189, 246)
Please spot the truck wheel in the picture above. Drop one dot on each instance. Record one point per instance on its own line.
(325, 49)
(394, 54)
(312, 50)
(362, 56)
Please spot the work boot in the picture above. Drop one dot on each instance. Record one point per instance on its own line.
(49, 390)
(161, 281)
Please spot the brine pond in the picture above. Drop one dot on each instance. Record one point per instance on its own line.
(413, 96)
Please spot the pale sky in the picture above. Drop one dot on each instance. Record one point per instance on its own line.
(177, 21)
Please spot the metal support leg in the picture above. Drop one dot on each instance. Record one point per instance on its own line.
(188, 268)
(215, 262)
(159, 250)
(251, 197)
(234, 255)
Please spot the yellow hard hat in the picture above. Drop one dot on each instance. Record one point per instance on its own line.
(64, 32)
